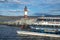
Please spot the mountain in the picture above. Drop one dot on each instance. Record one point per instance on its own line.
(41, 14)
(46, 15)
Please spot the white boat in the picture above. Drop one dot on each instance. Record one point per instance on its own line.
(52, 21)
(50, 30)
(48, 21)
(36, 34)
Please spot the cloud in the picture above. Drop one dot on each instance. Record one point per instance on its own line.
(17, 1)
(16, 6)
(11, 13)
(3, 1)
(14, 1)
(52, 1)
(32, 2)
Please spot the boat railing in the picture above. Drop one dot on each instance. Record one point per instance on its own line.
(49, 22)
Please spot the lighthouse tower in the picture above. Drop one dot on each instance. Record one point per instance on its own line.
(25, 12)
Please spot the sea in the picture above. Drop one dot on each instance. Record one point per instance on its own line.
(9, 33)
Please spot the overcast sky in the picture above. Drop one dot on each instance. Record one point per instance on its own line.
(35, 7)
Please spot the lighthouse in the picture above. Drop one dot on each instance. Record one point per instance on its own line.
(24, 21)
(25, 12)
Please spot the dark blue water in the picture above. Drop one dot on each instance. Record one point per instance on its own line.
(9, 33)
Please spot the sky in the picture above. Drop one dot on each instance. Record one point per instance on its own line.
(35, 7)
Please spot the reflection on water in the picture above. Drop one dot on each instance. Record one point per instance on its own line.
(9, 33)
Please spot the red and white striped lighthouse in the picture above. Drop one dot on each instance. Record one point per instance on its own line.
(25, 12)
